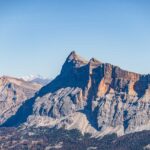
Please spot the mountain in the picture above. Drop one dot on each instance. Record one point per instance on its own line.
(37, 79)
(92, 96)
(13, 93)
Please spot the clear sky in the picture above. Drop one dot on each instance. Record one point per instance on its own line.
(37, 35)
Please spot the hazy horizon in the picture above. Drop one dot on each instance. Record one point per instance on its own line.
(36, 36)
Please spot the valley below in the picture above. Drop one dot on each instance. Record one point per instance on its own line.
(51, 139)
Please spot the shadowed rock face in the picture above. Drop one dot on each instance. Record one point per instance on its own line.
(112, 99)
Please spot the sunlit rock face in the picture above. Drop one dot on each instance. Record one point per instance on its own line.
(93, 97)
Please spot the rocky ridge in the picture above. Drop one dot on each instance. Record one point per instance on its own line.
(91, 96)
(13, 92)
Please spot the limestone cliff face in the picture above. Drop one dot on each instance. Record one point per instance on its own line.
(93, 97)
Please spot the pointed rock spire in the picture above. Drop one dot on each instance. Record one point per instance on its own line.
(73, 61)
(94, 61)
(73, 56)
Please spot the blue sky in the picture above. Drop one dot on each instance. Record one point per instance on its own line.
(37, 35)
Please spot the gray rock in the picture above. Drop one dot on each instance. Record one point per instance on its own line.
(110, 97)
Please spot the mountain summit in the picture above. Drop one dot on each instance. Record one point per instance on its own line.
(75, 57)
(91, 96)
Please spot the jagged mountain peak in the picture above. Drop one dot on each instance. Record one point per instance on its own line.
(74, 62)
(72, 55)
(91, 96)
(94, 60)
(75, 59)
